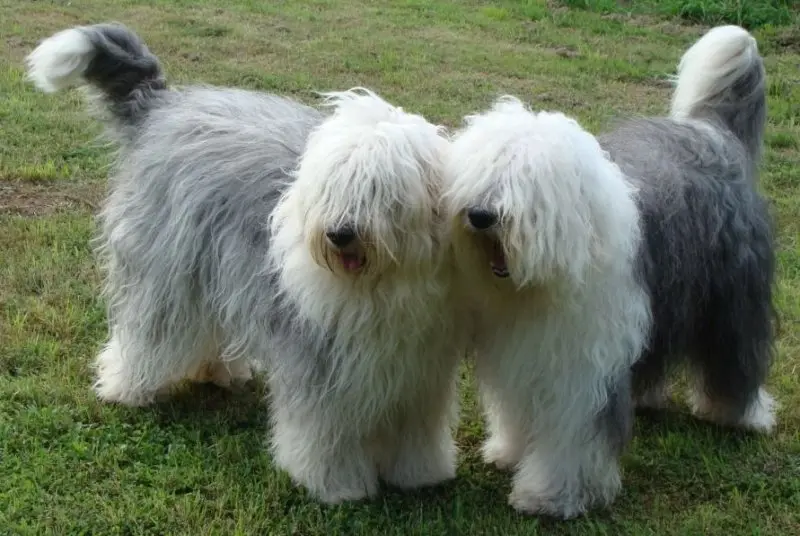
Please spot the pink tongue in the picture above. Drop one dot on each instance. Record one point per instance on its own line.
(351, 262)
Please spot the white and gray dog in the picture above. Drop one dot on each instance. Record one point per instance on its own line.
(584, 256)
(708, 257)
(246, 227)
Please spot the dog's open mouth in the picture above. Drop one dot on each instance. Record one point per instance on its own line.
(352, 262)
(498, 259)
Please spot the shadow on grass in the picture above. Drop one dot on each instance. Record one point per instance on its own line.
(205, 404)
(675, 459)
(675, 418)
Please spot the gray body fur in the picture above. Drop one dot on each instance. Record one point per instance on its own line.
(191, 199)
(200, 171)
(708, 254)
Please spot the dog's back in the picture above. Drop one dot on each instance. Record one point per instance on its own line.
(197, 175)
(707, 229)
(200, 181)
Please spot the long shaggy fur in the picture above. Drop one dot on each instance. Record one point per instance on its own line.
(243, 226)
(363, 384)
(546, 234)
(708, 255)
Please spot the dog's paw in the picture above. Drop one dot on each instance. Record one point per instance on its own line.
(656, 398)
(338, 495)
(352, 481)
(228, 375)
(330, 480)
(500, 453)
(418, 472)
(530, 503)
(239, 372)
(759, 416)
(111, 393)
(116, 383)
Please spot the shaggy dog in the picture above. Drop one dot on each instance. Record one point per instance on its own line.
(243, 227)
(585, 257)
(708, 257)
(546, 234)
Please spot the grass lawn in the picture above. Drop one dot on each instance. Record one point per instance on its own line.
(198, 464)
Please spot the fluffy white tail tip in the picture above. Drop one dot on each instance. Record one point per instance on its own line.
(713, 63)
(60, 60)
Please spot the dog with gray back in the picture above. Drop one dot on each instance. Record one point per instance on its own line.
(243, 227)
(199, 171)
(708, 256)
(592, 265)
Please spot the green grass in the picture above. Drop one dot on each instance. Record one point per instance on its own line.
(197, 464)
(748, 13)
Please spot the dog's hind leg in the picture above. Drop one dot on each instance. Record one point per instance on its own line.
(124, 372)
(728, 389)
(650, 381)
(730, 366)
(138, 364)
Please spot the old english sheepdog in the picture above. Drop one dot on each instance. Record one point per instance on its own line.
(243, 227)
(546, 233)
(708, 252)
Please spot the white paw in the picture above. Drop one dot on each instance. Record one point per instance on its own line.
(108, 392)
(225, 374)
(656, 398)
(530, 503)
(341, 495)
(241, 371)
(760, 415)
(331, 477)
(419, 469)
(500, 453)
(113, 384)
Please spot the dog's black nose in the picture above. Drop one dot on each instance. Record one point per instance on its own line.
(481, 219)
(341, 237)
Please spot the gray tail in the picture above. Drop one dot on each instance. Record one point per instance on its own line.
(107, 57)
(721, 78)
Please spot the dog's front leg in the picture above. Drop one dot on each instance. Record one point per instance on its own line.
(324, 458)
(420, 451)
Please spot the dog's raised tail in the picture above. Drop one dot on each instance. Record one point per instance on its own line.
(108, 57)
(721, 77)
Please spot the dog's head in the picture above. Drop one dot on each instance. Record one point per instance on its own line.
(367, 188)
(534, 198)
